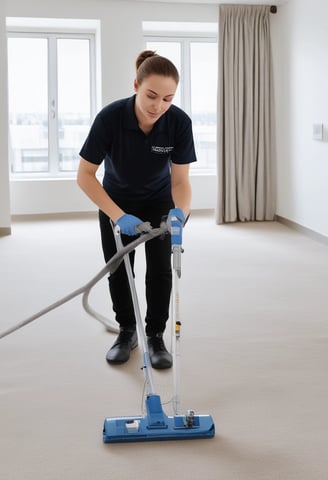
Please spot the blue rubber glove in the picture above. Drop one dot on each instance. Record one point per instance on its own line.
(176, 212)
(176, 221)
(128, 224)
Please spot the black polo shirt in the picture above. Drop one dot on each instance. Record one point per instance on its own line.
(137, 166)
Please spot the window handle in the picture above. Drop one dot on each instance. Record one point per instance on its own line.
(53, 109)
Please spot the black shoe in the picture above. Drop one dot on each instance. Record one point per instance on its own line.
(120, 351)
(160, 358)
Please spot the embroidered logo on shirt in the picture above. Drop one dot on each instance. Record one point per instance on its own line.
(161, 150)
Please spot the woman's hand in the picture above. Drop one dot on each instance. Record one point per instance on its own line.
(128, 224)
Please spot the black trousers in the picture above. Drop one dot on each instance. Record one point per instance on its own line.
(158, 279)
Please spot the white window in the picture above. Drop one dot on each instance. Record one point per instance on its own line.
(193, 49)
(51, 85)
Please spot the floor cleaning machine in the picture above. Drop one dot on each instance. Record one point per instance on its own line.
(156, 424)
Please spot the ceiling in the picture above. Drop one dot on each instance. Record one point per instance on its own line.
(216, 2)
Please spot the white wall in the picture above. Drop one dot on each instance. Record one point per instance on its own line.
(122, 40)
(4, 173)
(300, 46)
(300, 39)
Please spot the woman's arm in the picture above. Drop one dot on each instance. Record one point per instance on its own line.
(180, 187)
(88, 182)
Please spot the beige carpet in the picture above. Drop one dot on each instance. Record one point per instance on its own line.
(254, 303)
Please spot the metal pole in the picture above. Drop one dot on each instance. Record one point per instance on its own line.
(150, 389)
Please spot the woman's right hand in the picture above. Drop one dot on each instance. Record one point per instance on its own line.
(128, 224)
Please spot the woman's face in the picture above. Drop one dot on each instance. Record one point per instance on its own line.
(154, 97)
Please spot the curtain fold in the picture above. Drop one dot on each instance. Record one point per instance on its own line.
(246, 120)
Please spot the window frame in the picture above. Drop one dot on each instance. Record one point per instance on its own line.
(52, 34)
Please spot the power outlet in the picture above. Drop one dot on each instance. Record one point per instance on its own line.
(317, 131)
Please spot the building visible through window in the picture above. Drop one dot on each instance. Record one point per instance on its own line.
(51, 100)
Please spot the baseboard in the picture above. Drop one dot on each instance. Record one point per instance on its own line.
(4, 231)
(81, 215)
(54, 216)
(300, 228)
(203, 212)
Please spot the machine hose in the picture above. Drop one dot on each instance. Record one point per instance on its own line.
(146, 233)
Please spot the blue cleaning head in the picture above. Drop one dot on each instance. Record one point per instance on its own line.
(156, 425)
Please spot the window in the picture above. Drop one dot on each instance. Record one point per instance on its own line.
(51, 100)
(193, 49)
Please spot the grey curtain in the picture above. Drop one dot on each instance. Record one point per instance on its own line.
(246, 123)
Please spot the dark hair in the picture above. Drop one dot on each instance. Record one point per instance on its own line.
(150, 63)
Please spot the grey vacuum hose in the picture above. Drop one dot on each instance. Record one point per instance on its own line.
(147, 233)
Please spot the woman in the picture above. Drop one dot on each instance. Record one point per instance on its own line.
(147, 146)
